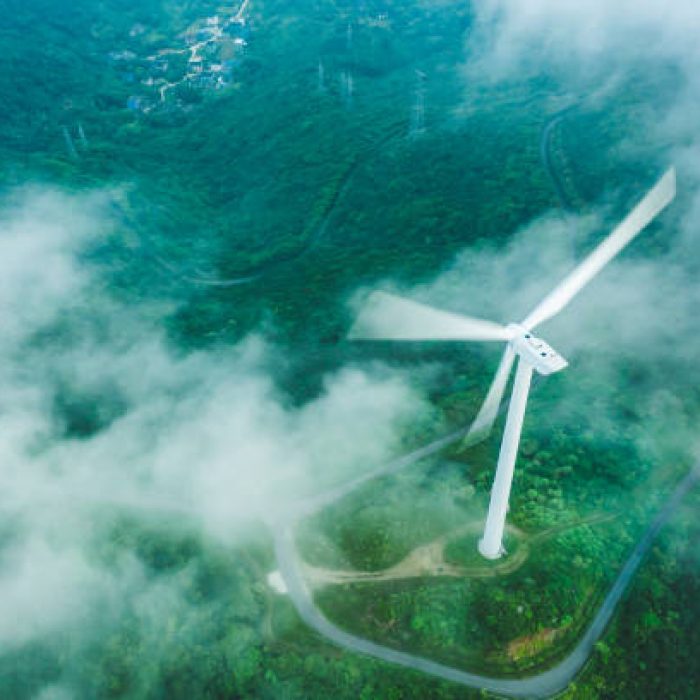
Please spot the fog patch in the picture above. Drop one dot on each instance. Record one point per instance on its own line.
(585, 39)
(102, 417)
(636, 323)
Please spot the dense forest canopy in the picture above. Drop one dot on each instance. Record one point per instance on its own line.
(196, 196)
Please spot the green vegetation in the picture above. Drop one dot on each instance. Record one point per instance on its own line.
(377, 526)
(577, 534)
(304, 194)
(650, 648)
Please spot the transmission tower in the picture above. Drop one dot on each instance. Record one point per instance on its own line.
(418, 111)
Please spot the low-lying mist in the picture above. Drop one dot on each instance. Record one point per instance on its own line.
(105, 421)
(636, 324)
(102, 417)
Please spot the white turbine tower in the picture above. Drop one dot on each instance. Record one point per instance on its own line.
(389, 317)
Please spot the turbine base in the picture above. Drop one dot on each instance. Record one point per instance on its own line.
(489, 552)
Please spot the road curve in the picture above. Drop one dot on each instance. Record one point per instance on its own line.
(546, 154)
(542, 685)
(198, 278)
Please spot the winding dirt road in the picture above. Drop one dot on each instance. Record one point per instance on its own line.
(430, 559)
(542, 685)
(426, 560)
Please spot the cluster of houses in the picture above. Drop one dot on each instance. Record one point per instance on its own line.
(207, 59)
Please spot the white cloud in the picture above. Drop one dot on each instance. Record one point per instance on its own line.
(206, 434)
(586, 39)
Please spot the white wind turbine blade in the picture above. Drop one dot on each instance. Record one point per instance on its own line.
(648, 209)
(389, 317)
(481, 427)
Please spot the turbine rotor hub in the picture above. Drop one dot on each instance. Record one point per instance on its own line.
(535, 351)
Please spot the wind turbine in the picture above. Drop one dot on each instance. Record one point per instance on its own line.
(389, 317)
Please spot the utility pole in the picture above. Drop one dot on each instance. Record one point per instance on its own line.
(321, 76)
(70, 146)
(418, 111)
(347, 86)
(81, 134)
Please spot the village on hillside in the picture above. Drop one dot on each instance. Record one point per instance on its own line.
(209, 52)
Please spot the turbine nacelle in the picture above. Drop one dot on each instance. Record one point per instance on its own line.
(535, 351)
